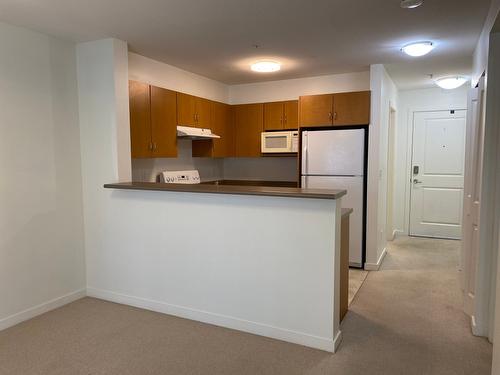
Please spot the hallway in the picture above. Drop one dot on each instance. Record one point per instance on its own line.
(406, 319)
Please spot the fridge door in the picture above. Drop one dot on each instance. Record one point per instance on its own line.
(333, 152)
(353, 199)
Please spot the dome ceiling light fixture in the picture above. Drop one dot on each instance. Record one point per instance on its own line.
(265, 66)
(450, 83)
(411, 4)
(418, 49)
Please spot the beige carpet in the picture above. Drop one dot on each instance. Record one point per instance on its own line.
(406, 319)
(356, 279)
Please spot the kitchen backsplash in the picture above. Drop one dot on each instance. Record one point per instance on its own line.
(147, 170)
(264, 168)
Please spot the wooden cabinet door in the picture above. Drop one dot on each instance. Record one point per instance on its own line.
(186, 110)
(291, 114)
(164, 122)
(273, 116)
(351, 108)
(222, 125)
(203, 108)
(316, 110)
(248, 125)
(140, 119)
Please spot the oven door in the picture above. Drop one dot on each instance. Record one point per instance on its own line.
(276, 142)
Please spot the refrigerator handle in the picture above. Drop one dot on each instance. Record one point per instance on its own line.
(304, 153)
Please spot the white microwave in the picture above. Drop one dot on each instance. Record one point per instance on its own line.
(279, 142)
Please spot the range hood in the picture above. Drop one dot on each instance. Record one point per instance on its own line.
(195, 133)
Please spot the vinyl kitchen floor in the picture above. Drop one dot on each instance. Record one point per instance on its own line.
(406, 319)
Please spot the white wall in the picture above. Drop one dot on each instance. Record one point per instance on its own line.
(41, 226)
(291, 89)
(384, 97)
(160, 74)
(480, 56)
(411, 101)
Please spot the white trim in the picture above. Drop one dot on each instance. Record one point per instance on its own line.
(397, 233)
(323, 343)
(473, 326)
(376, 266)
(32, 312)
(337, 341)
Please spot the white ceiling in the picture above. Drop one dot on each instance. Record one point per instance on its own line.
(215, 38)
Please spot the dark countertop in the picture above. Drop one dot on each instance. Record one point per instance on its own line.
(273, 191)
(252, 183)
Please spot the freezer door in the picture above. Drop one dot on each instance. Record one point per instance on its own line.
(333, 152)
(353, 199)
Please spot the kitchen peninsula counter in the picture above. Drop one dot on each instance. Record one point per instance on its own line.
(252, 257)
(230, 188)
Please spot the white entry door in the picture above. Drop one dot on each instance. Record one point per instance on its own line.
(437, 175)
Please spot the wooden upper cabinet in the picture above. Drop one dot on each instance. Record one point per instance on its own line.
(193, 111)
(223, 126)
(273, 116)
(140, 119)
(220, 124)
(281, 115)
(186, 110)
(203, 109)
(316, 110)
(291, 114)
(248, 122)
(153, 121)
(163, 122)
(351, 108)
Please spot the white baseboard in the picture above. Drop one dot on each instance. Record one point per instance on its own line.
(376, 266)
(473, 326)
(323, 343)
(336, 341)
(41, 309)
(397, 233)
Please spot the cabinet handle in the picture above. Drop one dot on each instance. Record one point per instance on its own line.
(330, 115)
(154, 146)
(150, 147)
(334, 115)
(285, 119)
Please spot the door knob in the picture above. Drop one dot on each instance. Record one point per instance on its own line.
(415, 181)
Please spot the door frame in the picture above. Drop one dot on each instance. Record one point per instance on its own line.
(409, 153)
(391, 170)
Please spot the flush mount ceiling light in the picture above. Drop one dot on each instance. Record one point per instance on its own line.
(450, 83)
(418, 49)
(265, 66)
(411, 4)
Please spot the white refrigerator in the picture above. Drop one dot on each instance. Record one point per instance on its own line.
(335, 159)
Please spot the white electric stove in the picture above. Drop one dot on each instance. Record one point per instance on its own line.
(180, 177)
